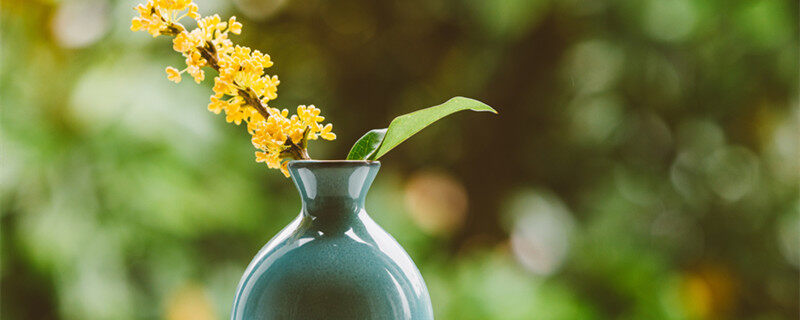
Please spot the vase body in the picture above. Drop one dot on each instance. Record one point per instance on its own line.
(332, 261)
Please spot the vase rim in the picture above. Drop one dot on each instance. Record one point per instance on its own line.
(332, 163)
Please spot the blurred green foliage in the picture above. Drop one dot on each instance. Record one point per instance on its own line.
(644, 164)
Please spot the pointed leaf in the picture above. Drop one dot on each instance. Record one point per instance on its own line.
(365, 148)
(405, 126)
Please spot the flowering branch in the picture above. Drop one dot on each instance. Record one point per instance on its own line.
(208, 52)
(242, 90)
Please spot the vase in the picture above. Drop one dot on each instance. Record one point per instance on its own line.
(332, 261)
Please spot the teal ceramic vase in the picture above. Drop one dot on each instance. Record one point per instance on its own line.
(333, 261)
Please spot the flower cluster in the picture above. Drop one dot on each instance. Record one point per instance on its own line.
(159, 16)
(242, 89)
(271, 135)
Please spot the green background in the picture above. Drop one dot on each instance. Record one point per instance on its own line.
(644, 164)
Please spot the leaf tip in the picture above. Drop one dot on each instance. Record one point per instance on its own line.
(480, 105)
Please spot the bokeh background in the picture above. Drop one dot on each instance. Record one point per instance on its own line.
(644, 164)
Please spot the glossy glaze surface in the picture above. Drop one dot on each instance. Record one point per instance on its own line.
(333, 261)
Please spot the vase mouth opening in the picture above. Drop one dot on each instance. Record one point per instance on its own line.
(332, 163)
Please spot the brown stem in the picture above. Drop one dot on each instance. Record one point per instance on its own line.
(209, 55)
(303, 153)
(250, 99)
(295, 151)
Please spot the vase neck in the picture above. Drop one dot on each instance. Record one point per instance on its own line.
(333, 189)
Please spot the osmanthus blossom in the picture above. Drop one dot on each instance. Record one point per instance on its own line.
(242, 89)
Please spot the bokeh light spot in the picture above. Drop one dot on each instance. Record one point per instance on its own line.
(77, 24)
(436, 201)
(189, 302)
(594, 118)
(709, 292)
(593, 65)
(541, 230)
(670, 20)
(733, 172)
(259, 9)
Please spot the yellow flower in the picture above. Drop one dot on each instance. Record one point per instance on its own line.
(157, 16)
(233, 26)
(242, 89)
(184, 42)
(326, 133)
(173, 74)
(196, 72)
(138, 24)
(173, 4)
(192, 11)
(216, 105)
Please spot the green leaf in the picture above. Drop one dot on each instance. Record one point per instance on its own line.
(407, 125)
(367, 145)
(378, 142)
